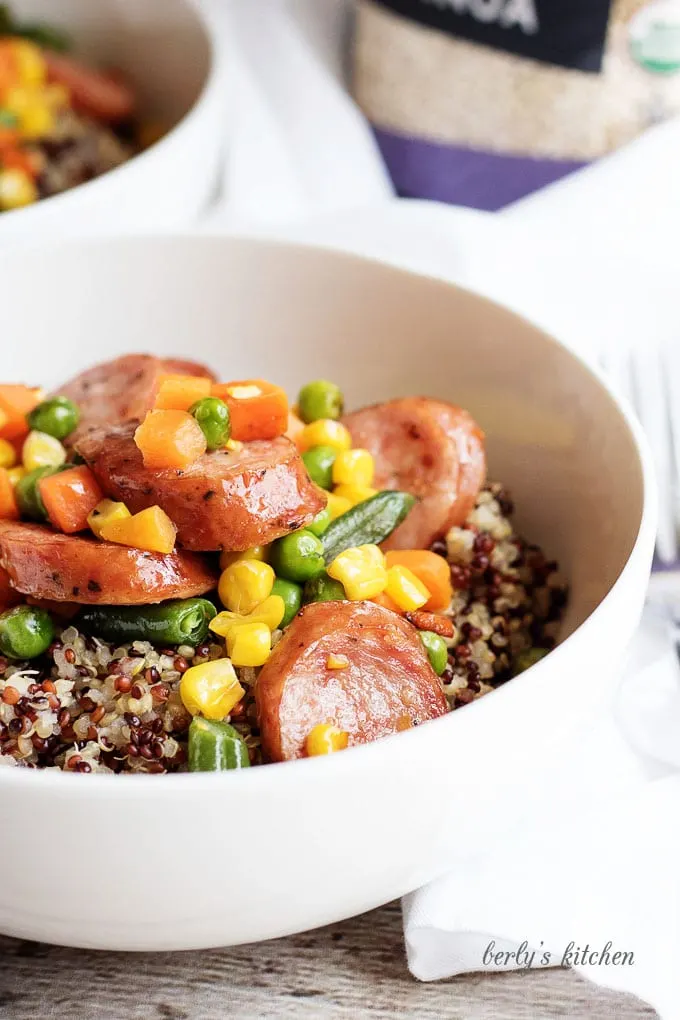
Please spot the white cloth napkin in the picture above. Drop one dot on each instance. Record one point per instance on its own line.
(599, 863)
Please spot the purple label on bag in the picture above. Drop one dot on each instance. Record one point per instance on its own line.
(464, 176)
(569, 33)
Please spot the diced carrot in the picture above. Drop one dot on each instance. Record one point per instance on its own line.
(259, 410)
(69, 497)
(9, 71)
(179, 392)
(150, 529)
(9, 510)
(430, 568)
(384, 600)
(9, 139)
(9, 596)
(170, 439)
(20, 159)
(15, 403)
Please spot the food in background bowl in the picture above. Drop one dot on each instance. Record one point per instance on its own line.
(196, 577)
(62, 122)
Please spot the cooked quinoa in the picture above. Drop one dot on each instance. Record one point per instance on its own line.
(88, 706)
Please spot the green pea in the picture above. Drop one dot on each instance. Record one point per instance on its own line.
(320, 522)
(529, 657)
(297, 557)
(7, 118)
(319, 461)
(27, 492)
(25, 632)
(323, 589)
(436, 649)
(320, 399)
(57, 416)
(291, 594)
(212, 414)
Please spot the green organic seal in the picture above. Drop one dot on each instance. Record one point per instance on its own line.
(655, 36)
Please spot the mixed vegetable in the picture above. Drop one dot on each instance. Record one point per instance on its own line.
(261, 604)
(61, 121)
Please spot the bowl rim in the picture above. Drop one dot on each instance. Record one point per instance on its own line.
(212, 83)
(358, 758)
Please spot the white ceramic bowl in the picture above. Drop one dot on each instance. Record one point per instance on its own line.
(202, 860)
(166, 49)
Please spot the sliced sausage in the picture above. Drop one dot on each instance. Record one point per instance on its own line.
(431, 449)
(117, 391)
(95, 93)
(387, 685)
(71, 568)
(9, 596)
(225, 500)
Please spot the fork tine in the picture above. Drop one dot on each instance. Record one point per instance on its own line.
(654, 408)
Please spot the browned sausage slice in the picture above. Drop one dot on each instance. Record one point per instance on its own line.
(120, 390)
(71, 568)
(225, 500)
(429, 448)
(388, 684)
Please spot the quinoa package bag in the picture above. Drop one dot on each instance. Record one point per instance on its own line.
(480, 102)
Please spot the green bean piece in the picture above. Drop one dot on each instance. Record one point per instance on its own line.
(291, 594)
(323, 589)
(57, 416)
(367, 523)
(319, 461)
(320, 399)
(212, 414)
(437, 651)
(27, 492)
(177, 622)
(215, 747)
(47, 36)
(529, 657)
(320, 523)
(25, 632)
(298, 556)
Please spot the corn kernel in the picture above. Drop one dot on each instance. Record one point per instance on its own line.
(354, 493)
(324, 432)
(337, 661)
(245, 584)
(249, 644)
(29, 62)
(233, 445)
(211, 689)
(41, 450)
(256, 552)
(337, 505)
(8, 456)
(17, 189)
(326, 738)
(361, 570)
(36, 121)
(353, 467)
(16, 474)
(104, 513)
(407, 590)
(270, 612)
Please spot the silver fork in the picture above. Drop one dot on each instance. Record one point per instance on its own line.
(649, 377)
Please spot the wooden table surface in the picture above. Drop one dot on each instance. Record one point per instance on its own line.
(348, 970)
